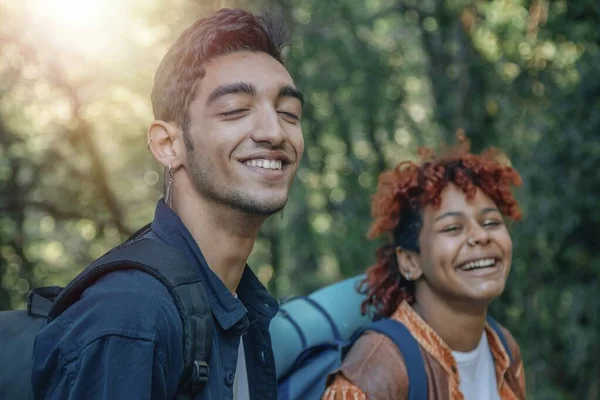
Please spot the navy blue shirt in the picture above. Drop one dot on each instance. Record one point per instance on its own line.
(123, 338)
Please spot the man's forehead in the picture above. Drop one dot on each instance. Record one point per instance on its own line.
(245, 66)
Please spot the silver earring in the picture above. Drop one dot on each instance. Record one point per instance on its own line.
(169, 193)
(148, 145)
(408, 277)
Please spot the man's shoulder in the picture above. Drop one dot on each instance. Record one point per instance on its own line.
(126, 303)
(128, 292)
(124, 316)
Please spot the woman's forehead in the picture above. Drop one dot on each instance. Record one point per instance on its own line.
(453, 199)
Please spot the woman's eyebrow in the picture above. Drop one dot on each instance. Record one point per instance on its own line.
(449, 214)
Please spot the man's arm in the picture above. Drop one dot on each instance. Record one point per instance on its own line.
(112, 344)
(113, 367)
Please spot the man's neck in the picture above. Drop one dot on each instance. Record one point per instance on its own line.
(459, 325)
(225, 236)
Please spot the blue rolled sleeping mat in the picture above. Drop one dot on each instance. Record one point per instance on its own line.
(328, 314)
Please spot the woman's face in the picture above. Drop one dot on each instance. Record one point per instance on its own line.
(466, 249)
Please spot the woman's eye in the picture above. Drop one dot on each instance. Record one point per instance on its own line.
(452, 228)
(491, 223)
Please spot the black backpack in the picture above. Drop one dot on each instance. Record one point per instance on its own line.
(18, 328)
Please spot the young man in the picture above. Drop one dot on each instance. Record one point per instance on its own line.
(228, 133)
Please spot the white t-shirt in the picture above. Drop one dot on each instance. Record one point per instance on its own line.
(477, 372)
(241, 391)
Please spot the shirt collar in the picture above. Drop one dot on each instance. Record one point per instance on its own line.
(227, 310)
(431, 342)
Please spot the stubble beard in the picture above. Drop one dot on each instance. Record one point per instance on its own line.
(203, 180)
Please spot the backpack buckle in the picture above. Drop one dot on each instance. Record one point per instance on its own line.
(40, 300)
(199, 376)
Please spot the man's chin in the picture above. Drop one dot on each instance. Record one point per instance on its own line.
(260, 207)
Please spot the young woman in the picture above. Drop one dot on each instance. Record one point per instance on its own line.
(448, 256)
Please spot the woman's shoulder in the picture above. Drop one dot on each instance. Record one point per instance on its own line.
(374, 367)
(515, 373)
(511, 342)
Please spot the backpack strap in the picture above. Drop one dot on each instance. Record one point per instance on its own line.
(319, 308)
(496, 327)
(409, 348)
(182, 281)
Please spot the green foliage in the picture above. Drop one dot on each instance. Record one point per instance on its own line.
(381, 78)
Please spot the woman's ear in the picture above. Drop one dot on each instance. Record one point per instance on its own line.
(166, 142)
(408, 264)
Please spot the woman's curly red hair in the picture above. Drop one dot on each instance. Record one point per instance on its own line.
(404, 191)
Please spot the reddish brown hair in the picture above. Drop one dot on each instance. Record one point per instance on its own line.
(183, 67)
(403, 192)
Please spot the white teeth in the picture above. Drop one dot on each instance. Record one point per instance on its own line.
(264, 163)
(483, 263)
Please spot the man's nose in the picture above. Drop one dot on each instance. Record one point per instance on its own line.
(268, 127)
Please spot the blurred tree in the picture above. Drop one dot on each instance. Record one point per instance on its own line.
(381, 77)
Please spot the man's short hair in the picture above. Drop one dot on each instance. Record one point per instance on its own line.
(183, 67)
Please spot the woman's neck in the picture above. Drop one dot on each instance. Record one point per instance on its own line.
(460, 326)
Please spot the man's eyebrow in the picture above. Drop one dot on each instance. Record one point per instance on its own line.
(290, 91)
(231, 88)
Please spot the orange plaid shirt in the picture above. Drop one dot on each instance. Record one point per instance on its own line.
(343, 389)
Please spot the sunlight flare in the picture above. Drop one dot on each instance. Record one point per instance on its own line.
(76, 25)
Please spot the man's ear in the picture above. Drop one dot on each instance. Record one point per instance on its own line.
(408, 264)
(165, 140)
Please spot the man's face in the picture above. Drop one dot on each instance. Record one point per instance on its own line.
(245, 133)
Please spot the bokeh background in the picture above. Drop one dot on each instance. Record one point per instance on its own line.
(381, 77)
